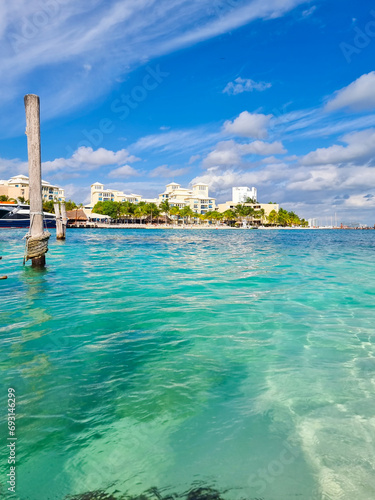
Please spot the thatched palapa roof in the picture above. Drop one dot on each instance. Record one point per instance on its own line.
(76, 215)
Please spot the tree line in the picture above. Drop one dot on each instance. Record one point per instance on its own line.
(242, 213)
(142, 210)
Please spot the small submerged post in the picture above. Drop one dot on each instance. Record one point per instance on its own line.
(64, 218)
(37, 238)
(60, 221)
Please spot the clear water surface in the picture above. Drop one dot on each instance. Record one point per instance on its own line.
(241, 360)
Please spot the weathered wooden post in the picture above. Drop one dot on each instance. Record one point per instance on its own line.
(64, 218)
(59, 228)
(60, 221)
(37, 238)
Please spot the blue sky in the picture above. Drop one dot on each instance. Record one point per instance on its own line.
(277, 94)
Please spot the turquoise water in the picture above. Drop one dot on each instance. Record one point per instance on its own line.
(239, 360)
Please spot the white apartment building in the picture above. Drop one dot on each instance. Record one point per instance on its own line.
(241, 194)
(18, 187)
(98, 193)
(197, 198)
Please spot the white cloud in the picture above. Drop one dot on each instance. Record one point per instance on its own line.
(360, 147)
(317, 191)
(79, 194)
(361, 201)
(124, 171)
(358, 96)
(308, 12)
(77, 35)
(225, 153)
(194, 158)
(221, 181)
(9, 168)
(244, 85)
(86, 158)
(167, 172)
(230, 153)
(262, 148)
(247, 124)
(177, 141)
(148, 189)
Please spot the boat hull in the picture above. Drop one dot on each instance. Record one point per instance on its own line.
(20, 223)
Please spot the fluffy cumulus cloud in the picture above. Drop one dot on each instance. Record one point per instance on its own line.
(244, 85)
(124, 172)
(9, 168)
(87, 158)
(262, 148)
(312, 191)
(252, 125)
(360, 147)
(361, 201)
(230, 153)
(358, 96)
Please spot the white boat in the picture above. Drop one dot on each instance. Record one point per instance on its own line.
(18, 215)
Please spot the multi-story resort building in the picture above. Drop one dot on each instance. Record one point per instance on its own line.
(18, 187)
(241, 194)
(197, 198)
(98, 193)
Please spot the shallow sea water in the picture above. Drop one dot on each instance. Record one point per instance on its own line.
(240, 360)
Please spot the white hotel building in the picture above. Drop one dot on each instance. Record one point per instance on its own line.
(196, 198)
(18, 187)
(241, 194)
(98, 193)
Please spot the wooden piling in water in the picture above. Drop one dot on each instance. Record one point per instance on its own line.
(59, 228)
(61, 220)
(64, 218)
(37, 238)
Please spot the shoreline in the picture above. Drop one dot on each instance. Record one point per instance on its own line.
(196, 227)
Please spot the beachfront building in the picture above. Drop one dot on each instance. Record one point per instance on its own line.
(241, 194)
(197, 198)
(267, 207)
(18, 187)
(98, 193)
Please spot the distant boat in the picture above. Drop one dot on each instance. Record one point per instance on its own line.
(18, 215)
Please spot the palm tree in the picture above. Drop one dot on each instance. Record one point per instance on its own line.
(175, 212)
(126, 209)
(140, 210)
(165, 207)
(240, 212)
(214, 215)
(250, 200)
(259, 214)
(201, 217)
(3, 197)
(21, 199)
(229, 215)
(244, 212)
(153, 210)
(185, 213)
(273, 217)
